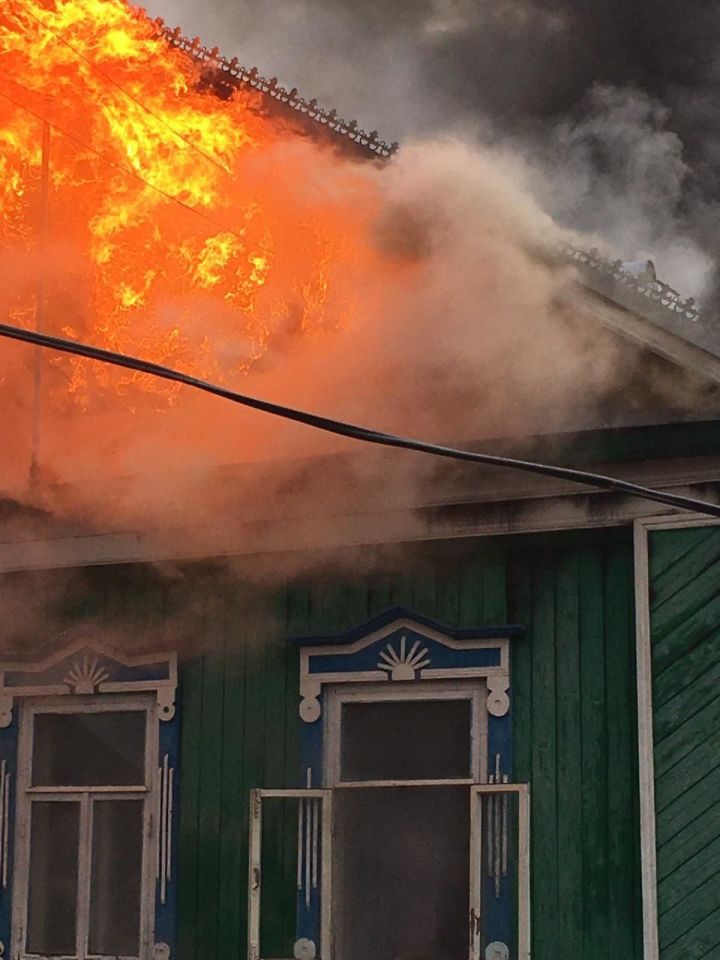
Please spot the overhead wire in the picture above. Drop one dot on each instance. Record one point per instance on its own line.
(354, 431)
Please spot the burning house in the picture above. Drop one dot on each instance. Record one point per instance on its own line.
(325, 702)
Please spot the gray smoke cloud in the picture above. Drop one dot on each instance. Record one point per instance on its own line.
(614, 106)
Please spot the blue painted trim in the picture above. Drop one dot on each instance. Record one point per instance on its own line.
(166, 913)
(312, 751)
(8, 752)
(311, 756)
(441, 655)
(499, 912)
(308, 917)
(500, 742)
(402, 613)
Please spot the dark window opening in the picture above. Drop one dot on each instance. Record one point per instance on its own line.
(406, 740)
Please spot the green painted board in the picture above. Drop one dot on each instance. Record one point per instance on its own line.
(685, 640)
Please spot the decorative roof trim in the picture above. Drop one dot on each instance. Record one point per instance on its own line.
(371, 142)
(645, 295)
(654, 290)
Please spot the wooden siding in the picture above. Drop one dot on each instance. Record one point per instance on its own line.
(685, 634)
(574, 727)
(575, 742)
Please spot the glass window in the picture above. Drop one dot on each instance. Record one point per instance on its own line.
(405, 856)
(52, 907)
(89, 749)
(406, 740)
(86, 803)
(116, 877)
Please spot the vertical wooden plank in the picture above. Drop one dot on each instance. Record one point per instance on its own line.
(471, 607)
(356, 601)
(191, 753)
(594, 763)
(211, 780)
(402, 586)
(520, 607)
(624, 887)
(495, 588)
(379, 594)
(234, 802)
(256, 743)
(279, 900)
(545, 853)
(447, 603)
(425, 589)
(569, 780)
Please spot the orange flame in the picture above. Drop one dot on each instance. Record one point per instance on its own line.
(190, 230)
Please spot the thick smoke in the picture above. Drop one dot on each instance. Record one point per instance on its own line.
(460, 337)
(616, 101)
(455, 332)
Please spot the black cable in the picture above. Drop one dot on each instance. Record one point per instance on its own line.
(353, 431)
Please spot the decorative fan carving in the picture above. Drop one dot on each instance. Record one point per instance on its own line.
(402, 665)
(85, 676)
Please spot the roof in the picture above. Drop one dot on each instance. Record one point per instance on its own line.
(670, 326)
(228, 74)
(651, 313)
(645, 295)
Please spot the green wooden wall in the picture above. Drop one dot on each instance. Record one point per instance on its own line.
(575, 742)
(574, 723)
(685, 633)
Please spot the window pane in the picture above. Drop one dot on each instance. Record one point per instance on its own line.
(406, 740)
(402, 884)
(89, 749)
(52, 907)
(116, 877)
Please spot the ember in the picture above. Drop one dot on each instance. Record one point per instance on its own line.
(169, 223)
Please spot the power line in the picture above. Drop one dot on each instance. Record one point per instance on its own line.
(114, 163)
(130, 96)
(353, 431)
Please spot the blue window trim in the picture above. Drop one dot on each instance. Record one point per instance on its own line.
(373, 652)
(84, 666)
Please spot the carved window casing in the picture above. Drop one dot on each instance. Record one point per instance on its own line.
(364, 696)
(88, 804)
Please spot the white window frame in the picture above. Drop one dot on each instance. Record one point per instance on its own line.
(148, 791)
(323, 837)
(475, 691)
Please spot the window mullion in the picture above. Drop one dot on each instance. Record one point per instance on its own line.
(84, 876)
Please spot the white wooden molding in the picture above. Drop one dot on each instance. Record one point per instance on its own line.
(402, 660)
(646, 746)
(313, 856)
(85, 665)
